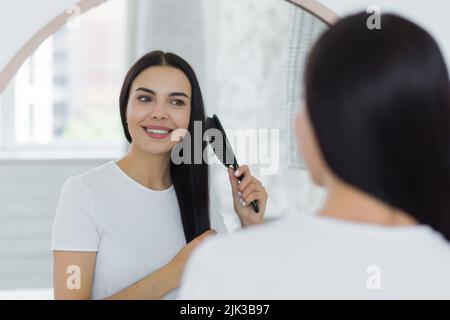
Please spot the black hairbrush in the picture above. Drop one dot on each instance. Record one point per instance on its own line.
(222, 149)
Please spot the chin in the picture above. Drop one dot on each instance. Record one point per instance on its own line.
(156, 148)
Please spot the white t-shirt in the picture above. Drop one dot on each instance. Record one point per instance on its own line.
(315, 257)
(133, 229)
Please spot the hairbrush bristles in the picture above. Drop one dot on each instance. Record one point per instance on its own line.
(222, 148)
(218, 140)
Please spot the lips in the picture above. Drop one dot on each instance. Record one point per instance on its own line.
(157, 132)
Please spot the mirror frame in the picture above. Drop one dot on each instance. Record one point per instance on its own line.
(317, 9)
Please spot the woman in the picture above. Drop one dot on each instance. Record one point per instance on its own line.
(121, 229)
(376, 134)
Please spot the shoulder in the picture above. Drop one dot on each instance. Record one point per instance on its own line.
(220, 258)
(76, 226)
(247, 244)
(256, 245)
(89, 179)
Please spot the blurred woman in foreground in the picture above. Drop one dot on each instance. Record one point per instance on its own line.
(376, 134)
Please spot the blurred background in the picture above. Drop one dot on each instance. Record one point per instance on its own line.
(62, 65)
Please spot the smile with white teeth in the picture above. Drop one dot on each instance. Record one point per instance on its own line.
(157, 131)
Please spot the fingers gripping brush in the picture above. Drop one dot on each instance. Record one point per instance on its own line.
(222, 148)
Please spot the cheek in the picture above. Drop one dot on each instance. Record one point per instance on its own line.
(300, 131)
(307, 147)
(134, 113)
(180, 118)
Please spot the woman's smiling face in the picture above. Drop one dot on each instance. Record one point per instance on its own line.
(159, 103)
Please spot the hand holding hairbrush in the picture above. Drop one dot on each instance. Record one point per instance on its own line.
(217, 138)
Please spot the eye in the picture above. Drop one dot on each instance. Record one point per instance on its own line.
(144, 99)
(177, 103)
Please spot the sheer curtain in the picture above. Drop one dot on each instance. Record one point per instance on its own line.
(304, 29)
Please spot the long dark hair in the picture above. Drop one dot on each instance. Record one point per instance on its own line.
(191, 181)
(379, 103)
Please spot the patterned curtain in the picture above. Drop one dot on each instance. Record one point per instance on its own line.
(304, 30)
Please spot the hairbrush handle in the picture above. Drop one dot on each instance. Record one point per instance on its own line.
(253, 203)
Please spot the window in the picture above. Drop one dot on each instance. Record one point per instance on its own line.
(65, 97)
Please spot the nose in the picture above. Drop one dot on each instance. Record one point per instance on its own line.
(158, 112)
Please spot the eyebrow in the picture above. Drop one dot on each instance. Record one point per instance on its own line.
(172, 94)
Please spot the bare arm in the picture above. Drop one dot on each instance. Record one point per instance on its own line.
(69, 268)
(154, 286)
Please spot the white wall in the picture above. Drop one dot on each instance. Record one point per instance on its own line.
(29, 192)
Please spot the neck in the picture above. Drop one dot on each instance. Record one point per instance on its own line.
(151, 171)
(348, 203)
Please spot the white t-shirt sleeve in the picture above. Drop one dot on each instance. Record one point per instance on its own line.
(74, 226)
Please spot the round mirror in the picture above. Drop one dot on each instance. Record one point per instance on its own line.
(60, 112)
